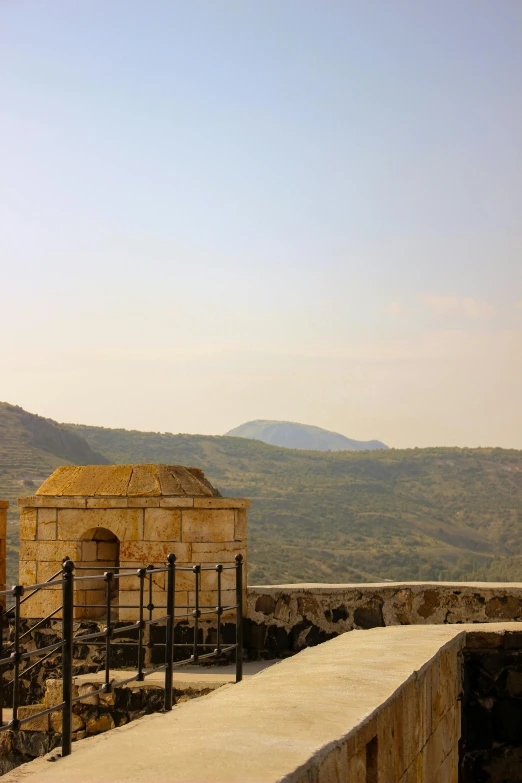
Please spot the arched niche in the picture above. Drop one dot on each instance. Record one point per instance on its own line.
(100, 550)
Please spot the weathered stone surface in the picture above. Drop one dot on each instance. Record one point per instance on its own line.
(39, 723)
(241, 531)
(125, 523)
(162, 524)
(221, 502)
(207, 525)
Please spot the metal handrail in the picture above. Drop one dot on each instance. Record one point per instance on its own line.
(107, 636)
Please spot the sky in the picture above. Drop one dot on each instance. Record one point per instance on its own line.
(213, 211)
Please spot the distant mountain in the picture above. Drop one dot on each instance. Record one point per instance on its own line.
(291, 435)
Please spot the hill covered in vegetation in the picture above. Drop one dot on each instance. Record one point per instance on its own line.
(292, 435)
(324, 516)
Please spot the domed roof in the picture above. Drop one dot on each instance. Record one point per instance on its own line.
(127, 481)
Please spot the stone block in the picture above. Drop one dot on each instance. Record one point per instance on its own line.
(39, 723)
(334, 768)
(41, 501)
(27, 531)
(207, 525)
(43, 603)
(125, 523)
(47, 569)
(47, 524)
(208, 552)
(176, 502)
(153, 552)
(4, 504)
(107, 551)
(99, 724)
(27, 572)
(85, 690)
(162, 524)
(78, 723)
(241, 531)
(357, 767)
(57, 550)
(209, 580)
(221, 503)
(28, 550)
(107, 502)
(53, 692)
(143, 502)
(89, 552)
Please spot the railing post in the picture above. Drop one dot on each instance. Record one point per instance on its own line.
(16, 655)
(169, 640)
(219, 612)
(142, 572)
(196, 614)
(67, 654)
(108, 577)
(239, 617)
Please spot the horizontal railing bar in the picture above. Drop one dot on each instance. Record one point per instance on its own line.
(33, 628)
(124, 682)
(32, 666)
(104, 568)
(152, 622)
(49, 647)
(51, 578)
(159, 668)
(41, 586)
(89, 636)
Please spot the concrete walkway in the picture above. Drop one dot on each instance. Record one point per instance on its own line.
(184, 678)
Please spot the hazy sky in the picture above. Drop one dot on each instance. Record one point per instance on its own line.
(213, 211)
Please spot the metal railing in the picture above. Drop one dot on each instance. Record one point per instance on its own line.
(67, 579)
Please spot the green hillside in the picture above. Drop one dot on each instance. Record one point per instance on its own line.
(340, 516)
(355, 516)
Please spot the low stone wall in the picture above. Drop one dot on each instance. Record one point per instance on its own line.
(283, 619)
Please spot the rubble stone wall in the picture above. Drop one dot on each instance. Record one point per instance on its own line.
(283, 619)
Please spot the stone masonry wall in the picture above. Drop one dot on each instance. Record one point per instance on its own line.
(146, 529)
(281, 620)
